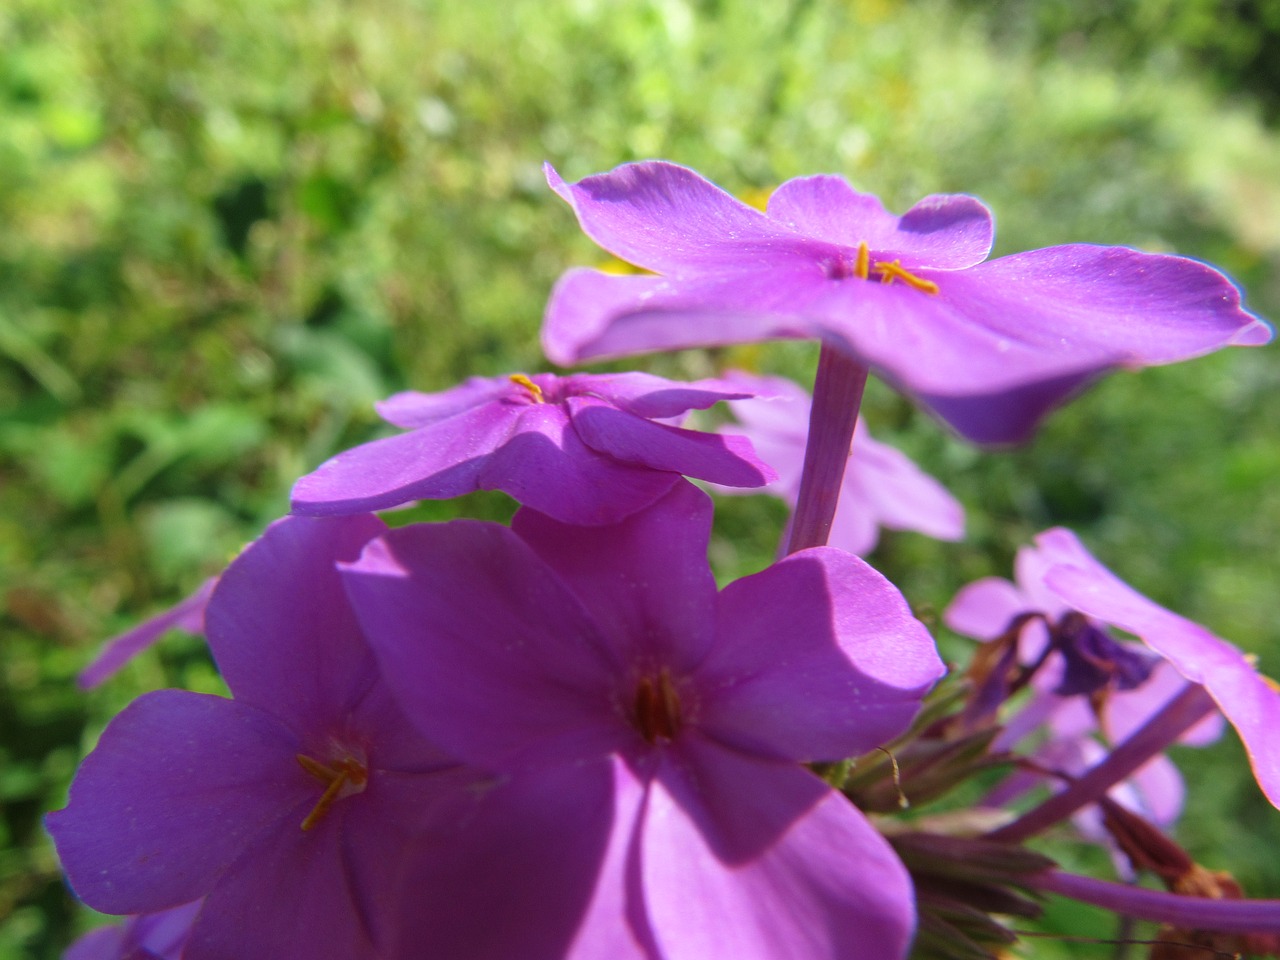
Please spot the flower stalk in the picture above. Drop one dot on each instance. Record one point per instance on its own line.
(837, 397)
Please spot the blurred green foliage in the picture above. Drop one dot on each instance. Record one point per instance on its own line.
(229, 227)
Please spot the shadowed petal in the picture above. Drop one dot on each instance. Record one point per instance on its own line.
(178, 787)
(1245, 698)
(714, 457)
(666, 218)
(758, 861)
(817, 658)
(287, 900)
(486, 650)
(943, 231)
(645, 581)
(522, 875)
(280, 627)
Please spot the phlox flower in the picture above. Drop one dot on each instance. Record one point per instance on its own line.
(648, 732)
(585, 448)
(289, 808)
(1061, 579)
(990, 347)
(882, 486)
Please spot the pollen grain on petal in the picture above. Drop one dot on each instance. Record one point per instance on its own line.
(862, 266)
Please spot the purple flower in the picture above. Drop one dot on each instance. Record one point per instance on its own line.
(187, 614)
(582, 448)
(148, 936)
(1072, 582)
(990, 347)
(289, 808)
(649, 730)
(882, 486)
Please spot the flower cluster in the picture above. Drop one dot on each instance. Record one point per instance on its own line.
(559, 738)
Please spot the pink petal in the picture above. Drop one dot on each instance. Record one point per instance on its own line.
(651, 397)
(884, 482)
(983, 609)
(281, 629)
(757, 861)
(645, 581)
(183, 783)
(412, 409)
(817, 658)
(666, 218)
(717, 458)
(944, 231)
(1246, 699)
(186, 614)
(487, 651)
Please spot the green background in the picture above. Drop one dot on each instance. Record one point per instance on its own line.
(226, 228)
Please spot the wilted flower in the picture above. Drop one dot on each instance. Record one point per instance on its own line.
(990, 347)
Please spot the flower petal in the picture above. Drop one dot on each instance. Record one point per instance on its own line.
(187, 614)
(984, 608)
(1246, 699)
(281, 629)
(885, 483)
(651, 397)
(412, 409)
(546, 466)
(757, 861)
(668, 219)
(816, 658)
(487, 651)
(645, 581)
(434, 462)
(947, 231)
(532, 873)
(178, 787)
(718, 458)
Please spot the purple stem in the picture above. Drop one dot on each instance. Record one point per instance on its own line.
(837, 395)
(1186, 913)
(1167, 725)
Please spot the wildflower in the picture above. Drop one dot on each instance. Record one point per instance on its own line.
(288, 808)
(583, 448)
(882, 486)
(990, 347)
(653, 727)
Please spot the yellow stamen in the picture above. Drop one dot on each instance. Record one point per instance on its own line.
(862, 266)
(893, 270)
(535, 391)
(349, 776)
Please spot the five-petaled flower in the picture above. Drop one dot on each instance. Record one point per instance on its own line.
(289, 808)
(585, 448)
(650, 730)
(990, 347)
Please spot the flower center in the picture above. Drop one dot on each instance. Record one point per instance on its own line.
(656, 711)
(534, 391)
(887, 270)
(341, 778)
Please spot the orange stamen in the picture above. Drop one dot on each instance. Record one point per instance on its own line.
(535, 391)
(862, 266)
(893, 270)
